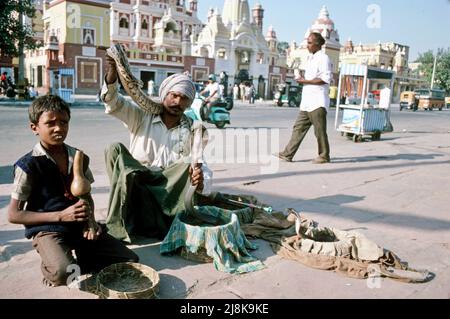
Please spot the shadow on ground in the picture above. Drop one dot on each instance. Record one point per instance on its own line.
(13, 243)
(397, 157)
(4, 201)
(336, 206)
(328, 169)
(6, 175)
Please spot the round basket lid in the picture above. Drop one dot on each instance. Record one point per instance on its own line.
(128, 281)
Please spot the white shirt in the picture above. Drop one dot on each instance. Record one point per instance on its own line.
(151, 143)
(385, 98)
(213, 87)
(151, 87)
(318, 66)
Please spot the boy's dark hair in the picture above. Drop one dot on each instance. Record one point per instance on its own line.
(47, 103)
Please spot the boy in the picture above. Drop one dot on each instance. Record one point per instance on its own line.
(41, 200)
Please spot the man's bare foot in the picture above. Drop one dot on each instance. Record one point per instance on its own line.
(47, 283)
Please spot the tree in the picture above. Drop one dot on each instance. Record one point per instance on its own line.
(12, 32)
(442, 76)
(443, 71)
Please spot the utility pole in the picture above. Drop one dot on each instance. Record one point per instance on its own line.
(434, 70)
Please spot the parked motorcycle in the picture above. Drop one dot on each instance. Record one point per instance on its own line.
(217, 115)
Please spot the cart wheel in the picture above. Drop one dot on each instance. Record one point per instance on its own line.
(376, 136)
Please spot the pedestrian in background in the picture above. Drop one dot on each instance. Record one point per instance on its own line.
(315, 102)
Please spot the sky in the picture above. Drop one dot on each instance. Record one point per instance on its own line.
(420, 24)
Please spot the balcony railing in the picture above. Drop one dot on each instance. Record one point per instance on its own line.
(175, 58)
(149, 56)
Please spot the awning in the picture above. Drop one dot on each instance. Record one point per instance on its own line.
(362, 70)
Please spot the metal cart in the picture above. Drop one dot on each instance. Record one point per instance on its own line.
(363, 108)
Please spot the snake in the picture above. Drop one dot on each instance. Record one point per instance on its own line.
(131, 84)
(133, 87)
(196, 156)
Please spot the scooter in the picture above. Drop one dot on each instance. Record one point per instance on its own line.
(218, 114)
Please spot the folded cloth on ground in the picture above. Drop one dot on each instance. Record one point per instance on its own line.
(346, 252)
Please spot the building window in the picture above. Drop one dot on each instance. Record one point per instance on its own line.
(66, 81)
(40, 73)
(144, 25)
(200, 74)
(123, 23)
(204, 52)
(89, 36)
(260, 58)
(88, 72)
(222, 53)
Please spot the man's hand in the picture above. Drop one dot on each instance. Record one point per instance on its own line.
(76, 213)
(300, 80)
(87, 234)
(197, 177)
(111, 76)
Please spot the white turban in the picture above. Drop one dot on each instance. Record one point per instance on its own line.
(178, 83)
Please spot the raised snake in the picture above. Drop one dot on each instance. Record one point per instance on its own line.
(133, 87)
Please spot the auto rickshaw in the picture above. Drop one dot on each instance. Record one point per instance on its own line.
(408, 101)
(333, 96)
(288, 93)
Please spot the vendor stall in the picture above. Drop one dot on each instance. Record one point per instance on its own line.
(363, 108)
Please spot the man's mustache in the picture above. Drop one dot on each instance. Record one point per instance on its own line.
(176, 107)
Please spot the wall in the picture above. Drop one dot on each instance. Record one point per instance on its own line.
(199, 67)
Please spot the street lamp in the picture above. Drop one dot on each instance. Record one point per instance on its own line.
(434, 70)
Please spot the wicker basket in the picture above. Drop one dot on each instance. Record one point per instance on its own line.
(128, 281)
(200, 256)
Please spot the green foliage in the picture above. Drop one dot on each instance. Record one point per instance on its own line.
(12, 33)
(443, 72)
(442, 76)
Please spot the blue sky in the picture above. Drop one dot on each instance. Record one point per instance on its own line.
(420, 24)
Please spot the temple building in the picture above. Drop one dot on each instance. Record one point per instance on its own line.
(157, 35)
(77, 33)
(162, 37)
(297, 54)
(235, 40)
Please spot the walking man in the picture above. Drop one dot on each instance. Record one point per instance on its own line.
(315, 102)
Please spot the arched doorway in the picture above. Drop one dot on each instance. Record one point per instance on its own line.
(261, 87)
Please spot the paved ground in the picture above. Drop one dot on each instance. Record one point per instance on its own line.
(395, 191)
